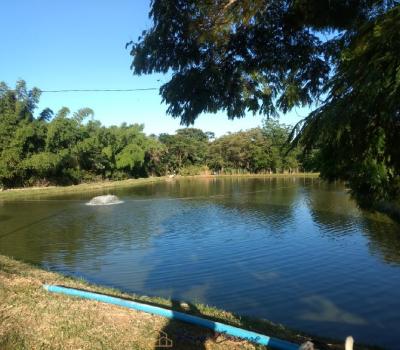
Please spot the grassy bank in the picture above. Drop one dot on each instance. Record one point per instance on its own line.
(31, 318)
(28, 192)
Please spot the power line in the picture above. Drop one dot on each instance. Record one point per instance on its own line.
(100, 90)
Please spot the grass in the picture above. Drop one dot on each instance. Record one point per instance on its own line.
(32, 318)
(29, 192)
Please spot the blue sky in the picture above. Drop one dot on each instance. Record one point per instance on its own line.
(75, 44)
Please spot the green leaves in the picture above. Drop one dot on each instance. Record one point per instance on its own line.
(270, 56)
(62, 132)
(254, 151)
(63, 149)
(238, 56)
(358, 126)
(43, 164)
(130, 157)
(187, 147)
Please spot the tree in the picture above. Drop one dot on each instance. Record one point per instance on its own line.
(21, 135)
(262, 56)
(39, 149)
(42, 166)
(254, 151)
(236, 56)
(16, 106)
(131, 157)
(358, 126)
(63, 132)
(284, 157)
(83, 113)
(187, 147)
(46, 115)
(154, 155)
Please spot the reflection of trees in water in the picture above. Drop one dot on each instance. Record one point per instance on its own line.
(337, 215)
(269, 200)
(332, 209)
(176, 188)
(68, 234)
(384, 239)
(5, 218)
(207, 187)
(23, 236)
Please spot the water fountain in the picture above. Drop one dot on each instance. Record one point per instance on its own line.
(107, 199)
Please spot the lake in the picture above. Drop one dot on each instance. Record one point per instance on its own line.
(292, 250)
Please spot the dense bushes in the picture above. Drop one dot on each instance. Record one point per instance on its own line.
(67, 149)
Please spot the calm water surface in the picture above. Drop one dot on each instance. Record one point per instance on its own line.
(295, 251)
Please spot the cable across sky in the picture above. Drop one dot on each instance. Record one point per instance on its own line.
(100, 90)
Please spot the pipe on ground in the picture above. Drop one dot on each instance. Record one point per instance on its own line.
(258, 338)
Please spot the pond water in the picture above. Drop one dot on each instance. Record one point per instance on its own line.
(295, 251)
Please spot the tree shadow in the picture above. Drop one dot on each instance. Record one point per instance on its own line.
(183, 335)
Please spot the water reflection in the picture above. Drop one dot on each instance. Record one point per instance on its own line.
(384, 239)
(336, 215)
(321, 309)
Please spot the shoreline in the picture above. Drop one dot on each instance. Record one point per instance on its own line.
(16, 193)
(68, 323)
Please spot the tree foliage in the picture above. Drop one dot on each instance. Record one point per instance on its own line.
(357, 128)
(258, 150)
(42, 149)
(263, 56)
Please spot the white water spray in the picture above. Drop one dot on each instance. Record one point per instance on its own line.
(108, 199)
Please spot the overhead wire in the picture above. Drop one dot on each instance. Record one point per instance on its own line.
(100, 90)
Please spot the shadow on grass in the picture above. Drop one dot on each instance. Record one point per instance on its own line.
(183, 336)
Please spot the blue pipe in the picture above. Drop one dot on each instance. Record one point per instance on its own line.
(176, 315)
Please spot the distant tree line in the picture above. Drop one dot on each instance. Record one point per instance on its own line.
(68, 148)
